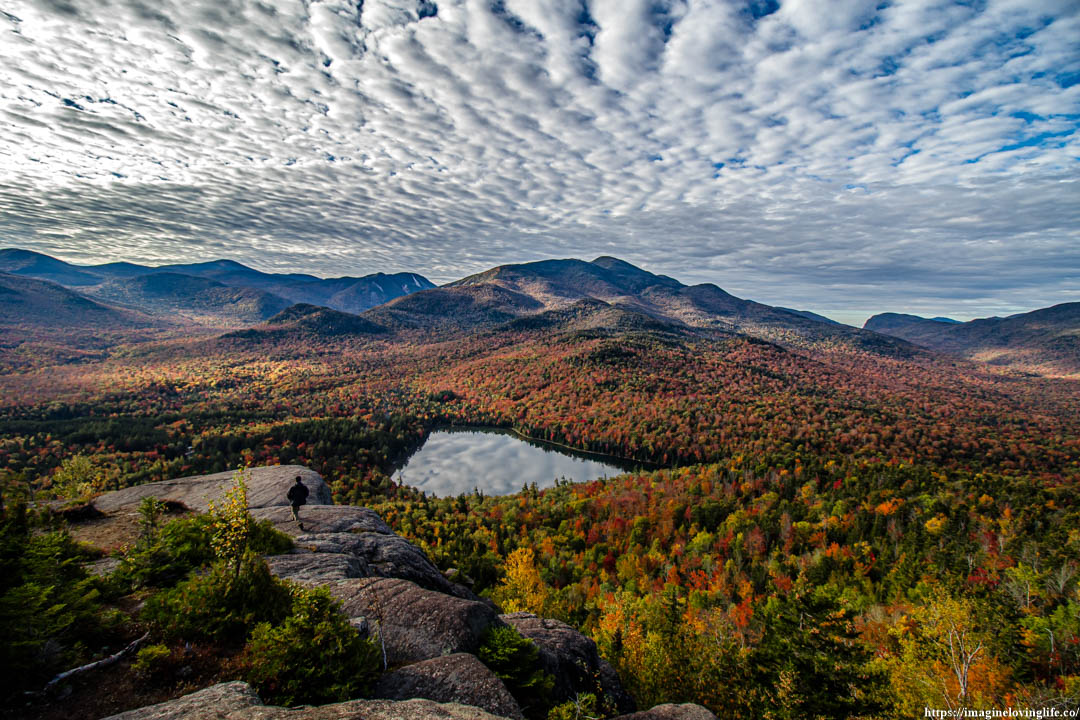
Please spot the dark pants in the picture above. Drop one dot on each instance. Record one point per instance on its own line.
(296, 512)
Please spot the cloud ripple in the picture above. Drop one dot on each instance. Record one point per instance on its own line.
(920, 155)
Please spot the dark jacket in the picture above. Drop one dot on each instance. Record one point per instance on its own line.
(298, 494)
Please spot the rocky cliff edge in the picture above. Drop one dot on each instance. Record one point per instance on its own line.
(429, 625)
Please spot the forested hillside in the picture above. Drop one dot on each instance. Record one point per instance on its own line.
(828, 507)
(827, 516)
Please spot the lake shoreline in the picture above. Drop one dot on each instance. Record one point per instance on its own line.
(457, 459)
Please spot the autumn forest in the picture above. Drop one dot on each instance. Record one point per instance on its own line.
(820, 527)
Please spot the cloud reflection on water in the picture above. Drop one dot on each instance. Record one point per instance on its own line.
(451, 463)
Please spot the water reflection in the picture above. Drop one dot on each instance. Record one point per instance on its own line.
(452, 462)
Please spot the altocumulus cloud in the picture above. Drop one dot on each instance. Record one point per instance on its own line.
(848, 155)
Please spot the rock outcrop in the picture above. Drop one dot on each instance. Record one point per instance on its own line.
(378, 554)
(460, 678)
(430, 627)
(317, 518)
(237, 701)
(671, 711)
(266, 487)
(415, 624)
(216, 701)
(571, 658)
(317, 568)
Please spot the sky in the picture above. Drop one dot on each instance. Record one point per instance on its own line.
(841, 156)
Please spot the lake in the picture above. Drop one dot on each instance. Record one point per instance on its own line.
(498, 462)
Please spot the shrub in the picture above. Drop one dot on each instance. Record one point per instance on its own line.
(266, 539)
(221, 606)
(50, 609)
(516, 661)
(583, 707)
(150, 512)
(315, 656)
(152, 660)
(163, 558)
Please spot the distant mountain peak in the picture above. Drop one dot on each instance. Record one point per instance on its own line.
(346, 294)
(19, 253)
(610, 261)
(1046, 341)
(225, 263)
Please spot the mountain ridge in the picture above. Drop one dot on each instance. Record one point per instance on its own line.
(1044, 341)
(557, 284)
(31, 301)
(345, 294)
(555, 295)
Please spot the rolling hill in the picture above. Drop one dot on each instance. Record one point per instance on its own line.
(28, 302)
(1045, 341)
(455, 309)
(304, 321)
(898, 323)
(45, 324)
(204, 301)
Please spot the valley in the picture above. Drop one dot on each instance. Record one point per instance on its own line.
(812, 496)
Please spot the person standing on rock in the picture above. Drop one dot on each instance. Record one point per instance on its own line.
(297, 496)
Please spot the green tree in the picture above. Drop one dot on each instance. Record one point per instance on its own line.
(813, 662)
(219, 606)
(315, 656)
(516, 661)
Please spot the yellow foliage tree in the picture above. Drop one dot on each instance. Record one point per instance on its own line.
(231, 524)
(77, 479)
(945, 660)
(523, 590)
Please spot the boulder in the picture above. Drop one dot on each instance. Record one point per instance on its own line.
(237, 701)
(318, 519)
(370, 710)
(414, 623)
(460, 678)
(571, 658)
(267, 487)
(310, 568)
(671, 711)
(385, 555)
(216, 701)
(103, 567)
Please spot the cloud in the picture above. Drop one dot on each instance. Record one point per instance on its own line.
(917, 156)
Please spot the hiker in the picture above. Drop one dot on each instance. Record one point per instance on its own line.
(297, 496)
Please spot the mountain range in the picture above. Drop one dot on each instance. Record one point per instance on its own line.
(606, 295)
(1045, 341)
(216, 293)
(575, 294)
